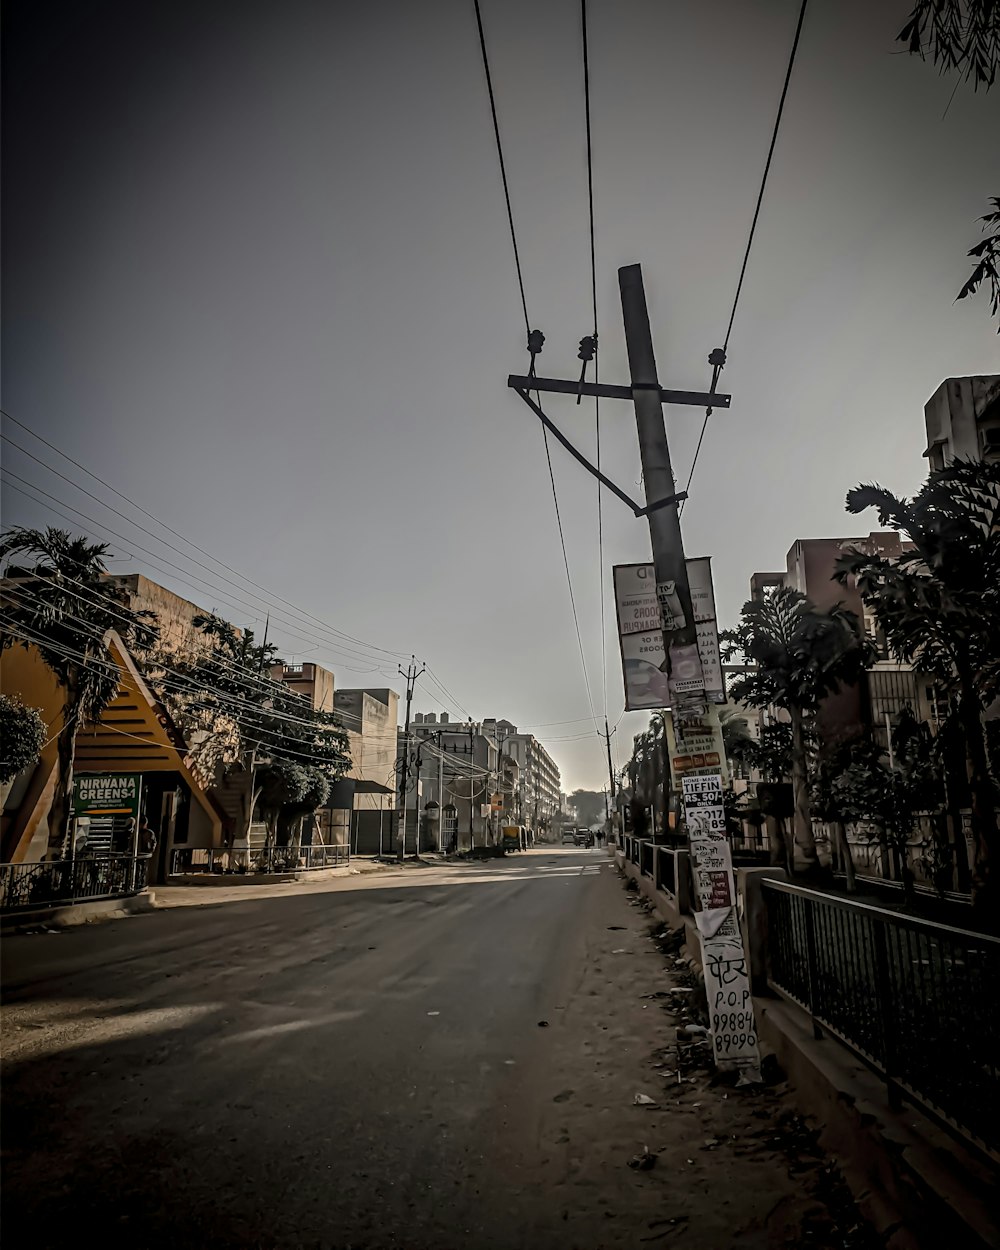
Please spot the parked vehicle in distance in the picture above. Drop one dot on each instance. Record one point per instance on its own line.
(569, 837)
(583, 837)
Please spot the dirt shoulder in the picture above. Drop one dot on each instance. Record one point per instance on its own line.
(716, 1167)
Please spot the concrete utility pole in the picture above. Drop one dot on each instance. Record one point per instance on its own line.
(472, 764)
(657, 472)
(662, 500)
(611, 779)
(440, 795)
(411, 674)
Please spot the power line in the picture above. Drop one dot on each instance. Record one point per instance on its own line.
(299, 611)
(223, 596)
(753, 228)
(293, 625)
(527, 330)
(268, 687)
(593, 298)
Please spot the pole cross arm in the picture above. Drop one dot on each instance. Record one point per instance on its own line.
(637, 508)
(557, 386)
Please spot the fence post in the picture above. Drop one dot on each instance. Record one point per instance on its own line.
(883, 992)
(811, 965)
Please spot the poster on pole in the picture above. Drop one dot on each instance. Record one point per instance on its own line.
(695, 746)
(644, 609)
(699, 571)
(731, 1019)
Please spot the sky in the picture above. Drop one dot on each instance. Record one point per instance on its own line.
(258, 278)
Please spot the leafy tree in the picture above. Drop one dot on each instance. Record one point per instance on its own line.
(801, 654)
(263, 722)
(963, 36)
(288, 792)
(986, 254)
(589, 804)
(61, 602)
(939, 608)
(845, 785)
(737, 740)
(22, 733)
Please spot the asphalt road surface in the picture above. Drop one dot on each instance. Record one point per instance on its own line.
(439, 1057)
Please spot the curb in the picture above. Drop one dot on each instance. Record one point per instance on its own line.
(69, 917)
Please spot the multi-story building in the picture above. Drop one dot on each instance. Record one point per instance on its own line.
(369, 716)
(180, 637)
(889, 686)
(452, 778)
(538, 797)
(962, 420)
(476, 777)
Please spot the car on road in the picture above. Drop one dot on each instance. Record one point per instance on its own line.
(583, 837)
(569, 837)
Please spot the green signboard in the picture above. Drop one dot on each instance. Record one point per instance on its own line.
(107, 794)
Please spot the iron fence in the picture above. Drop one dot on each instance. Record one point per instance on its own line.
(666, 869)
(646, 852)
(918, 1001)
(60, 882)
(270, 859)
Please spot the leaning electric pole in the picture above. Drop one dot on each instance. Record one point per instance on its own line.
(411, 673)
(695, 720)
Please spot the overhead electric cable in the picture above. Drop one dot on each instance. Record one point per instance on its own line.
(593, 298)
(193, 583)
(753, 229)
(528, 333)
(299, 611)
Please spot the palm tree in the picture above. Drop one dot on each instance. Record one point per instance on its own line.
(62, 603)
(801, 655)
(939, 607)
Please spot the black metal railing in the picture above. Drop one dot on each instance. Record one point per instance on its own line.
(61, 882)
(666, 868)
(270, 859)
(920, 1002)
(646, 850)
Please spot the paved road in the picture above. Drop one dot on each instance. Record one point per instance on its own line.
(338, 1067)
(357, 1065)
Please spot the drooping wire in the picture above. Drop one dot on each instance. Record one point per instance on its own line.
(593, 298)
(503, 167)
(528, 333)
(308, 616)
(750, 237)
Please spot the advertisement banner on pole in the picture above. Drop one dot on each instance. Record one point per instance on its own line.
(727, 983)
(643, 608)
(699, 571)
(640, 636)
(695, 746)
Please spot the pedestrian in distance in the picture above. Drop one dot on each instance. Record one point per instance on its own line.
(147, 838)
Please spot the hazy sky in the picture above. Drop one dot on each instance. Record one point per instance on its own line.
(258, 278)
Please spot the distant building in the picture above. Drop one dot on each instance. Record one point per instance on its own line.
(889, 686)
(538, 798)
(315, 684)
(962, 420)
(369, 716)
(452, 779)
(476, 777)
(175, 616)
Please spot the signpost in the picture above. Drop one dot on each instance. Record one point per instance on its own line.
(103, 804)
